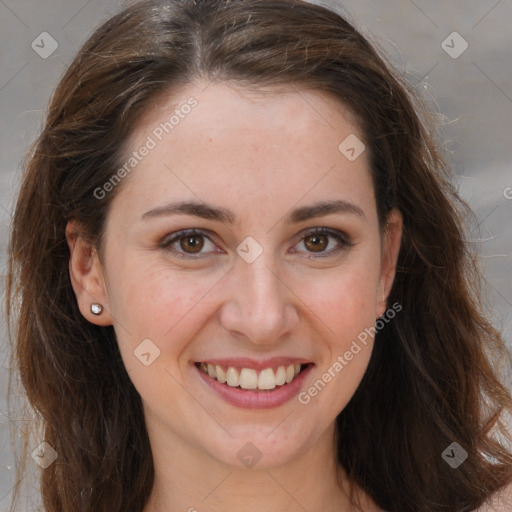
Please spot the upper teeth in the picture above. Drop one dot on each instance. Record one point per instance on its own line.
(247, 378)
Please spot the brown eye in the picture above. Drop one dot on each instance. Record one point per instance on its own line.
(192, 243)
(316, 243)
(324, 242)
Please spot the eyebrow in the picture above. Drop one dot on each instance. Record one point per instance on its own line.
(209, 212)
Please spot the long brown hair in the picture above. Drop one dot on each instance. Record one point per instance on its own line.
(430, 381)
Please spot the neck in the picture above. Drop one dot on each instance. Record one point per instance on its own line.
(193, 481)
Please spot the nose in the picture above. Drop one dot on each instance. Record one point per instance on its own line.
(259, 306)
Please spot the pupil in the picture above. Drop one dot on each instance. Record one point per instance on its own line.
(316, 242)
(192, 243)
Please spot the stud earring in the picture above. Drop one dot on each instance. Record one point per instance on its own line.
(96, 309)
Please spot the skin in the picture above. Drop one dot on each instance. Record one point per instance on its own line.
(258, 155)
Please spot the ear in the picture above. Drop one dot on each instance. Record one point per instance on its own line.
(86, 275)
(390, 250)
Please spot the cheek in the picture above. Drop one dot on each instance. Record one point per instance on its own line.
(151, 302)
(345, 305)
(344, 298)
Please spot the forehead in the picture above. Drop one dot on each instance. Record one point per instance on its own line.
(218, 143)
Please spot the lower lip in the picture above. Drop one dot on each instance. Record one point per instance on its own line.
(248, 399)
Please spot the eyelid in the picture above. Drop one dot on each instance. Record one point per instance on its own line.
(341, 237)
(172, 238)
(176, 235)
(321, 230)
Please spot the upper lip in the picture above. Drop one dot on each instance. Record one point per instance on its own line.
(255, 364)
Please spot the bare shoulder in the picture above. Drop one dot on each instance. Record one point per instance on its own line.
(501, 502)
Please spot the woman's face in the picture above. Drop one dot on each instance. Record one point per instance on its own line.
(243, 241)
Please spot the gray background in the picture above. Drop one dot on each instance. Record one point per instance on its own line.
(472, 91)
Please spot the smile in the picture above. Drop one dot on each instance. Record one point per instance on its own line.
(252, 379)
(255, 384)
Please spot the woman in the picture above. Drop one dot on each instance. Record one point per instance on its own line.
(242, 280)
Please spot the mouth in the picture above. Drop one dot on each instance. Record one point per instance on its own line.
(251, 379)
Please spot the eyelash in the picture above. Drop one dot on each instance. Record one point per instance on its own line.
(343, 240)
